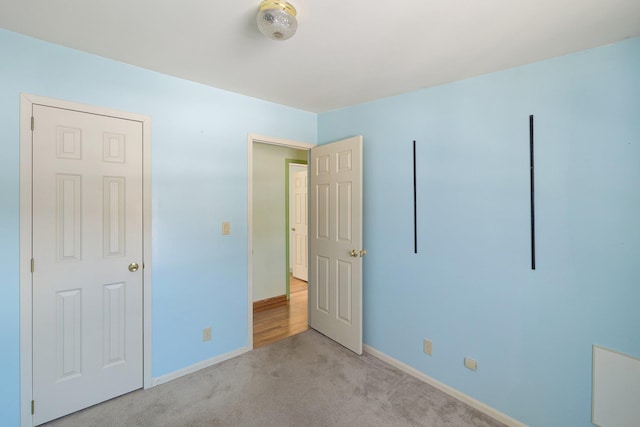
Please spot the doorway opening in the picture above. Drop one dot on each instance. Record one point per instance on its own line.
(277, 300)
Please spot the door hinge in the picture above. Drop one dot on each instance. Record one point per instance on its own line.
(33, 123)
(33, 407)
(33, 265)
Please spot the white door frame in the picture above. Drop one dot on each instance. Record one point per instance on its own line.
(251, 139)
(26, 345)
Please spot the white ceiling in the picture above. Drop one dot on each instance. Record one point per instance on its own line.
(344, 53)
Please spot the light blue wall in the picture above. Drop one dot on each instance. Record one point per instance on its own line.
(470, 289)
(199, 179)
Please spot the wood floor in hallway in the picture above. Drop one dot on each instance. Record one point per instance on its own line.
(273, 324)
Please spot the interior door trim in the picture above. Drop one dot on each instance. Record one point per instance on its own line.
(26, 345)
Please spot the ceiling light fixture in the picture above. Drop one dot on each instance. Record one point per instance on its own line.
(277, 19)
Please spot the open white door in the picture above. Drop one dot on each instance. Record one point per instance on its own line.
(299, 229)
(335, 242)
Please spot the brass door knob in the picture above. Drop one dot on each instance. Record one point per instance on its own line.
(353, 253)
(133, 267)
(363, 252)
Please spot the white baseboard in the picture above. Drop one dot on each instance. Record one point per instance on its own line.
(493, 413)
(197, 366)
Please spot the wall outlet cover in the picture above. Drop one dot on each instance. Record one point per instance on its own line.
(206, 334)
(470, 364)
(427, 347)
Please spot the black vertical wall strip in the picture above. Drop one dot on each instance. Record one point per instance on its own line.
(415, 203)
(532, 191)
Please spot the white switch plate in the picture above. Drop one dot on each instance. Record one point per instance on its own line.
(470, 364)
(226, 228)
(206, 334)
(427, 347)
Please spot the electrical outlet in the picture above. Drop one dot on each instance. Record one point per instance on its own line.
(470, 364)
(427, 347)
(206, 334)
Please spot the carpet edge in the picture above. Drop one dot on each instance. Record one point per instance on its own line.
(474, 403)
(197, 366)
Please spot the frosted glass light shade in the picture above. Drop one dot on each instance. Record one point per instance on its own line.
(277, 20)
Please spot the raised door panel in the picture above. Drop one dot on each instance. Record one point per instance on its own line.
(114, 224)
(322, 285)
(114, 324)
(322, 211)
(68, 217)
(344, 285)
(344, 212)
(68, 333)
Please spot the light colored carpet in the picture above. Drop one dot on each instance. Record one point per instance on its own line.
(304, 380)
